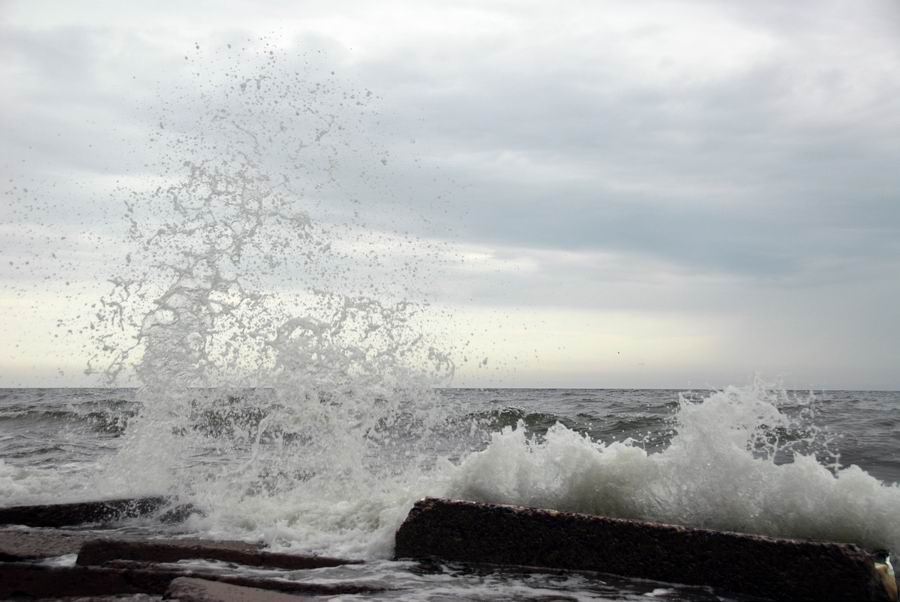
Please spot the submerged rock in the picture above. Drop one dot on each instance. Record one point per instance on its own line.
(779, 569)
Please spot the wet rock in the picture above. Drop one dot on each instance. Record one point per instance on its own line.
(25, 580)
(112, 598)
(105, 550)
(778, 569)
(886, 574)
(106, 511)
(32, 545)
(187, 589)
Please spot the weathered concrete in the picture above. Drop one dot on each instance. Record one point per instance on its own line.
(106, 511)
(778, 569)
(16, 544)
(186, 589)
(173, 550)
(24, 580)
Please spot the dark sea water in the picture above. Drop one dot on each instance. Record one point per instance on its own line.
(821, 465)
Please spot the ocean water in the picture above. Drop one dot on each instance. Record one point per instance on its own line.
(799, 464)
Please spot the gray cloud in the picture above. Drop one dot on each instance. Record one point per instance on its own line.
(742, 166)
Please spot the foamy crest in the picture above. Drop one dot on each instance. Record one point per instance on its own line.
(12, 486)
(719, 471)
(35, 485)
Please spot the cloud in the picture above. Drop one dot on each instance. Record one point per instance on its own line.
(706, 158)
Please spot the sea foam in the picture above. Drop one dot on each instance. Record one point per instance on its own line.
(714, 474)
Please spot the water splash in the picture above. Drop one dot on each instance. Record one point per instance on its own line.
(277, 345)
(725, 468)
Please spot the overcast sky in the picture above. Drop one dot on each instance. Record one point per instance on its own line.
(645, 193)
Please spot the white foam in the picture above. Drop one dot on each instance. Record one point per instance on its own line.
(38, 484)
(708, 477)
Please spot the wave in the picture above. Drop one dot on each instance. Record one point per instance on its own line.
(743, 459)
(725, 468)
(108, 416)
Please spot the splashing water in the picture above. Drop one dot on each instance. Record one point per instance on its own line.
(287, 384)
(278, 378)
(719, 471)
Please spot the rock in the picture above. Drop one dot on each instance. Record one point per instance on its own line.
(31, 545)
(106, 511)
(173, 550)
(25, 580)
(779, 569)
(187, 589)
(111, 598)
(886, 574)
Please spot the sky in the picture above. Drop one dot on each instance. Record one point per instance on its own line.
(631, 194)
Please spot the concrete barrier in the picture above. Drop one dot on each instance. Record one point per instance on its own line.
(778, 569)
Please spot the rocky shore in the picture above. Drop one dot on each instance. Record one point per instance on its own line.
(44, 556)
(35, 544)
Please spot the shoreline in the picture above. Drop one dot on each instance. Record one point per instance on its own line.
(471, 533)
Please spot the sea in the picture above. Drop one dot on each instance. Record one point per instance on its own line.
(809, 464)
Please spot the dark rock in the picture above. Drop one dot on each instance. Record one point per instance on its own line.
(778, 569)
(31, 545)
(110, 598)
(102, 550)
(106, 511)
(173, 550)
(24, 580)
(187, 589)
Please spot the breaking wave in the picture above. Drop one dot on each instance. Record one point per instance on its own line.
(736, 461)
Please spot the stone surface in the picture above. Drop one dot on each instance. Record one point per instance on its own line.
(18, 544)
(105, 511)
(25, 580)
(778, 569)
(886, 573)
(187, 589)
(111, 598)
(172, 550)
